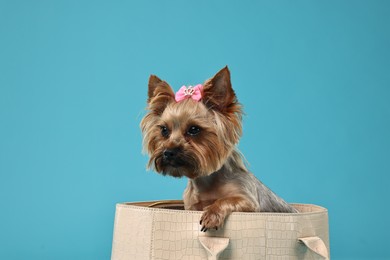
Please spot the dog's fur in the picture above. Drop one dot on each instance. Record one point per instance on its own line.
(198, 140)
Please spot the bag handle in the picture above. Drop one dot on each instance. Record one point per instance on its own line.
(316, 245)
(214, 246)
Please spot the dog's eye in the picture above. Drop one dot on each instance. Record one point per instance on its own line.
(193, 130)
(164, 131)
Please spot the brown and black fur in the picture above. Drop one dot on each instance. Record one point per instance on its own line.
(198, 140)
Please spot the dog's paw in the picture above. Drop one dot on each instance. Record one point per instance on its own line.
(212, 218)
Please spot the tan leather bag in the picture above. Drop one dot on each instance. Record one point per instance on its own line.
(163, 230)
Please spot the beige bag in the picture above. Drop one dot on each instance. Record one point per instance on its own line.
(162, 230)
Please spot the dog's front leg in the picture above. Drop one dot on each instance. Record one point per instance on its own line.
(215, 214)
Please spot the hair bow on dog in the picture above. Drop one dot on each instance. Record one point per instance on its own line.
(189, 92)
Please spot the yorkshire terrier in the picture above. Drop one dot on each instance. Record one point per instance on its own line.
(194, 133)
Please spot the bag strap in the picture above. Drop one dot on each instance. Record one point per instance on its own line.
(214, 246)
(316, 245)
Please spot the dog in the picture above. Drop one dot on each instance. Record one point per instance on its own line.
(194, 134)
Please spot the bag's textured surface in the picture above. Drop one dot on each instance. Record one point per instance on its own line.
(144, 232)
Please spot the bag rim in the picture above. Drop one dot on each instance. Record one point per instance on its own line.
(151, 206)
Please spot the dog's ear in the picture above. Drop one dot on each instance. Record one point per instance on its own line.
(219, 96)
(218, 92)
(160, 94)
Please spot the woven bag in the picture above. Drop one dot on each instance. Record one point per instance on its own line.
(163, 230)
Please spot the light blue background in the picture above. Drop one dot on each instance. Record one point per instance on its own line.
(314, 77)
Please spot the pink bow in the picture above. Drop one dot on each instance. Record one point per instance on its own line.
(189, 92)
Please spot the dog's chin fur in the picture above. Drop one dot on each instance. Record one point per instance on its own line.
(219, 182)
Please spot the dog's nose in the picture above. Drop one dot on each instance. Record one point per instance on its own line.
(170, 154)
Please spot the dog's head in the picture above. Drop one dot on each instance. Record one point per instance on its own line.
(193, 132)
